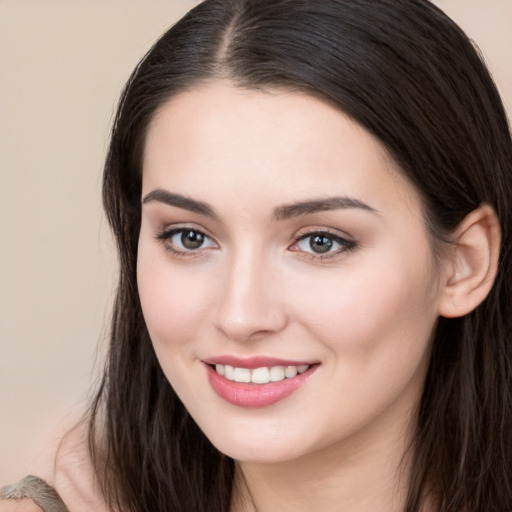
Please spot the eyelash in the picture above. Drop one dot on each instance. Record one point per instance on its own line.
(166, 235)
(345, 245)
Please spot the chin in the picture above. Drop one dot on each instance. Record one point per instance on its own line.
(256, 453)
(264, 446)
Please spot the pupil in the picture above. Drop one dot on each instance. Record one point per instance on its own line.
(320, 243)
(192, 239)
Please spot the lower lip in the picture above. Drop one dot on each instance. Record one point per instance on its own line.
(256, 395)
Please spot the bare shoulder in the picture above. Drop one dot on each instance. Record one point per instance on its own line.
(74, 477)
(65, 482)
(24, 505)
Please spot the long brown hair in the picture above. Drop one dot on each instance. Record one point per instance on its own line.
(411, 77)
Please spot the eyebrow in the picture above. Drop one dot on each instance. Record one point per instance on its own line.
(280, 213)
(164, 196)
(319, 205)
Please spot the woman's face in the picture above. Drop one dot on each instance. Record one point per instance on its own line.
(280, 243)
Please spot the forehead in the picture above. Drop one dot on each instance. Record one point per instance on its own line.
(218, 138)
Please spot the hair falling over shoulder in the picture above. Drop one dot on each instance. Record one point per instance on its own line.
(408, 75)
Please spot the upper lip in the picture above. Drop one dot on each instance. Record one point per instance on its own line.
(255, 362)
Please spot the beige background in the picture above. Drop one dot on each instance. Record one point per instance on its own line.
(62, 65)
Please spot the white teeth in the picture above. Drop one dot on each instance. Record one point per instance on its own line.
(242, 375)
(290, 372)
(229, 372)
(276, 373)
(261, 375)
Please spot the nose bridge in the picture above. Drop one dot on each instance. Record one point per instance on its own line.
(249, 301)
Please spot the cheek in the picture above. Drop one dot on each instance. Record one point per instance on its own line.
(172, 299)
(376, 328)
(383, 311)
(173, 303)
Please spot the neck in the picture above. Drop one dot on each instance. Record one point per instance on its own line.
(365, 473)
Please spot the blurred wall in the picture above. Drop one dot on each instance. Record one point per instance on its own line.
(62, 66)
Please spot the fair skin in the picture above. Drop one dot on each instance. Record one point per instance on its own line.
(25, 505)
(348, 287)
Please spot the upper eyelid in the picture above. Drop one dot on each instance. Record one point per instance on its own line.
(305, 232)
(343, 241)
(165, 235)
(173, 229)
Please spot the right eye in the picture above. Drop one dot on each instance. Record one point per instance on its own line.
(186, 240)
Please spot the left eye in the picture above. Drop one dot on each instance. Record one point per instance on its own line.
(320, 243)
(187, 239)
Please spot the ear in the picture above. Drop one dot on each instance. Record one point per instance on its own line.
(472, 263)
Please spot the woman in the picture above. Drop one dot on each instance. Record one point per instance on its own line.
(311, 204)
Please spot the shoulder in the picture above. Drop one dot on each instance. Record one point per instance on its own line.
(74, 477)
(24, 505)
(68, 482)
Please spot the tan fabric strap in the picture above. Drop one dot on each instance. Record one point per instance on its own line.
(38, 491)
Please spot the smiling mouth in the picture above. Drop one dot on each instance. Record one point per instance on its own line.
(249, 383)
(262, 375)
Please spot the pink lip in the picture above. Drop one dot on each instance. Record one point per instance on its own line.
(255, 395)
(254, 362)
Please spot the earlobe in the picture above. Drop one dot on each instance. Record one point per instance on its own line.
(472, 263)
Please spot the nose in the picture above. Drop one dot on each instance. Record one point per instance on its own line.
(250, 300)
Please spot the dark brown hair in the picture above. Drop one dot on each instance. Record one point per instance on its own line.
(411, 77)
